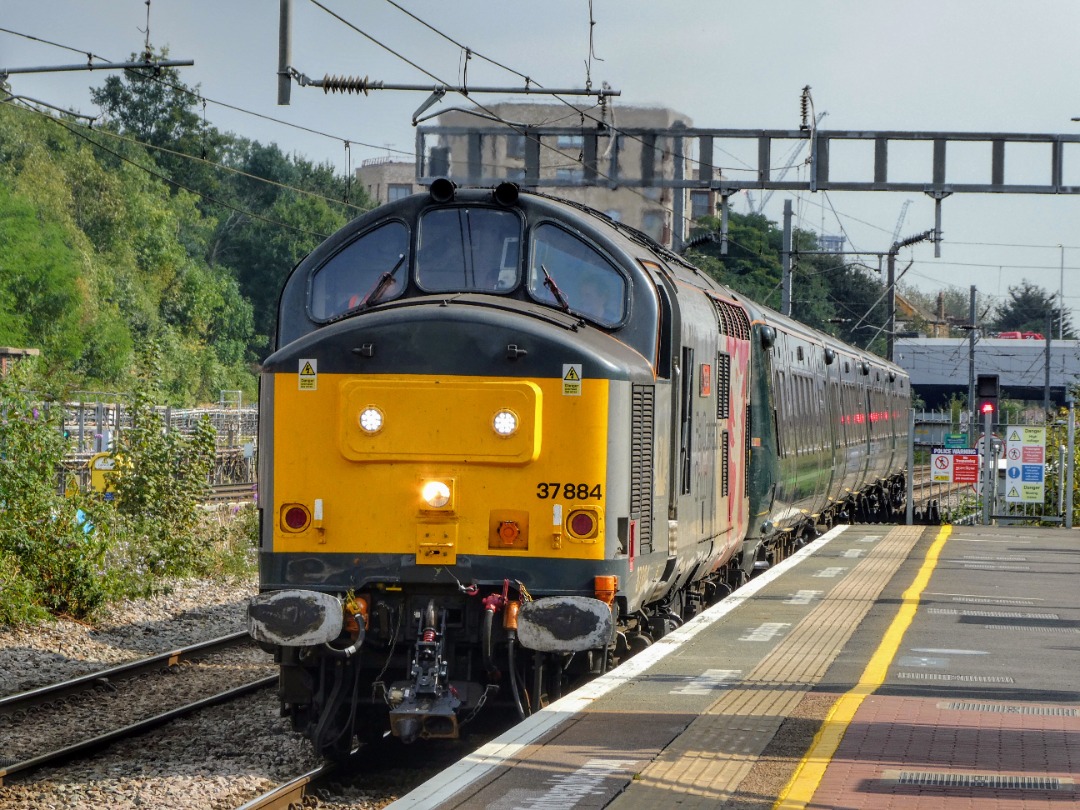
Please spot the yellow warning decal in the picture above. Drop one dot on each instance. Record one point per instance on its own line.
(309, 374)
(571, 380)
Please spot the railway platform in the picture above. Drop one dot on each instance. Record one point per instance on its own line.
(879, 667)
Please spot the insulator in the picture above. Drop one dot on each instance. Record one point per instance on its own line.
(429, 635)
(348, 84)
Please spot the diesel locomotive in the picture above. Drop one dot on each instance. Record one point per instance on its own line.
(506, 441)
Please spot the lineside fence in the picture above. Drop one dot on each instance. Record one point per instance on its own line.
(1028, 479)
(92, 425)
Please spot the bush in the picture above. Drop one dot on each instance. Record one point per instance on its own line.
(70, 555)
(42, 542)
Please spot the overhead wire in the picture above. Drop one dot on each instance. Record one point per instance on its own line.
(197, 95)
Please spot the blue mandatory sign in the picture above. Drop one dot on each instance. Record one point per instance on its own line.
(1033, 473)
(1014, 472)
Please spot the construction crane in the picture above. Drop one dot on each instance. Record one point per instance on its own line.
(790, 161)
(900, 222)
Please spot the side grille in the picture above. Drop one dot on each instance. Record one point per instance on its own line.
(725, 463)
(732, 319)
(723, 385)
(641, 464)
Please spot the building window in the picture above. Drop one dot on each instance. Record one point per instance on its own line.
(614, 214)
(652, 222)
(515, 175)
(569, 176)
(398, 191)
(570, 141)
(699, 204)
(515, 146)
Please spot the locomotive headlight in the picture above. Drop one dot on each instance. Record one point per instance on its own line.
(371, 419)
(436, 494)
(505, 423)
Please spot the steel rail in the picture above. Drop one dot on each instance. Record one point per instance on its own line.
(291, 793)
(22, 700)
(102, 740)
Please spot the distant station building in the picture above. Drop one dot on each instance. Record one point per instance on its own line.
(939, 367)
(471, 150)
(10, 356)
(386, 179)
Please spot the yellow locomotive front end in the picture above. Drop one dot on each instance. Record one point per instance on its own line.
(435, 468)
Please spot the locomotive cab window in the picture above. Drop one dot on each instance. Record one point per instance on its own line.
(369, 270)
(588, 283)
(468, 250)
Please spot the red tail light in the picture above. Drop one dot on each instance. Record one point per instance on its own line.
(294, 517)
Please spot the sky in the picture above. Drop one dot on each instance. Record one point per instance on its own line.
(918, 65)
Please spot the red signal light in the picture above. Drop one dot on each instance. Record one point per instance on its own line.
(988, 407)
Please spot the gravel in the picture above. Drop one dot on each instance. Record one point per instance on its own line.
(194, 610)
(217, 758)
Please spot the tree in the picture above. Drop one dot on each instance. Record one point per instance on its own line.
(827, 293)
(1026, 310)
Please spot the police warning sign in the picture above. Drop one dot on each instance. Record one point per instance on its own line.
(954, 465)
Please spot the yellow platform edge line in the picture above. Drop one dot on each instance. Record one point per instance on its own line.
(800, 789)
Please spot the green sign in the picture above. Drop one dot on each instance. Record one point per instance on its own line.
(956, 440)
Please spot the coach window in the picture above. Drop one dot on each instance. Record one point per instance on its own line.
(469, 250)
(371, 269)
(587, 283)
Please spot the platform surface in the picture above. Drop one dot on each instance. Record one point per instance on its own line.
(881, 667)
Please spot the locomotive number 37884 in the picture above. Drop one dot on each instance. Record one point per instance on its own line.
(569, 492)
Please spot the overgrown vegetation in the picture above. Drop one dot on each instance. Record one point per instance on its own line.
(70, 553)
(830, 294)
(152, 226)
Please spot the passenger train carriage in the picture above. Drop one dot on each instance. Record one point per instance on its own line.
(505, 441)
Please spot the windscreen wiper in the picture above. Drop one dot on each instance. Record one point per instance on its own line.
(549, 282)
(372, 297)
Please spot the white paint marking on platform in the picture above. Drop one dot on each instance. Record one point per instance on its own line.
(708, 681)
(829, 573)
(479, 763)
(947, 651)
(870, 538)
(570, 789)
(854, 553)
(765, 632)
(802, 597)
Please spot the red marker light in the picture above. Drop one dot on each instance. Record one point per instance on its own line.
(987, 407)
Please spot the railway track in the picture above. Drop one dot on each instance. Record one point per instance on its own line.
(82, 715)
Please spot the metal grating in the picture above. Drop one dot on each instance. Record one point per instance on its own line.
(1029, 629)
(723, 385)
(996, 781)
(1009, 708)
(725, 463)
(731, 319)
(992, 558)
(939, 676)
(641, 463)
(992, 614)
(974, 600)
